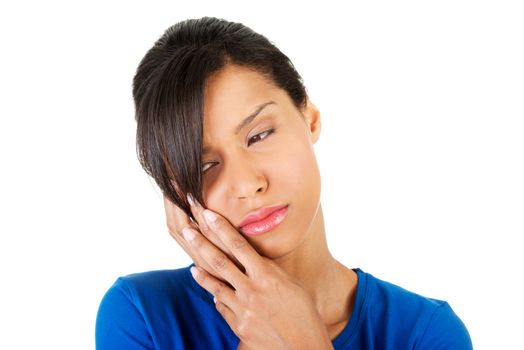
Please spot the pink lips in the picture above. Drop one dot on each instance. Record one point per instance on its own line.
(263, 220)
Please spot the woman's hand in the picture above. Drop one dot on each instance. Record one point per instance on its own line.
(177, 220)
(264, 306)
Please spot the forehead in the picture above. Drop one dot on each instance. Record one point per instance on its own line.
(232, 93)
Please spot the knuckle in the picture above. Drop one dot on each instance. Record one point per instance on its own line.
(252, 299)
(263, 272)
(219, 223)
(219, 262)
(205, 230)
(201, 277)
(238, 243)
(197, 241)
(247, 316)
(219, 306)
(171, 227)
(177, 231)
(249, 293)
(269, 281)
(242, 328)
(219, 289)
(244, 322)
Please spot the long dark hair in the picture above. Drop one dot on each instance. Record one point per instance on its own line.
(168, 90)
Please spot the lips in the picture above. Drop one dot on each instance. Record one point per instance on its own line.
(260, 214)
(263, 220)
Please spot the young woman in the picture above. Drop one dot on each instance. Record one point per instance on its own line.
(226, 129)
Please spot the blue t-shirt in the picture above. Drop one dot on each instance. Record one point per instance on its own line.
(167, 309)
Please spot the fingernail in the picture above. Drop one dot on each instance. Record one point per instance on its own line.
(214, 300)
(194, 271)
(190, 199)
(210, 216)
(197, 204)
(188, 233)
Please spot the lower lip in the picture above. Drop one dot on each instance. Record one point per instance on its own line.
(265, 225)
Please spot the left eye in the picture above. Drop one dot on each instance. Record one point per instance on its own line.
(259, 137)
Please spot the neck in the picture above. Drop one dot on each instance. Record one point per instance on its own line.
(330, 284)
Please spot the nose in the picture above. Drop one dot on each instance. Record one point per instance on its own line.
(245, 177)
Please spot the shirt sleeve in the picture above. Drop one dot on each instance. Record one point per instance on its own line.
(119, 323)
(445, 330)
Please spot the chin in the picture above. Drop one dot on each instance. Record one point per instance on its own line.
(278, 246)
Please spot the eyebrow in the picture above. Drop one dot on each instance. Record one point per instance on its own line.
(252, 116)
(246, 120)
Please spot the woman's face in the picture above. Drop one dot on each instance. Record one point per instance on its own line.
(265, 162)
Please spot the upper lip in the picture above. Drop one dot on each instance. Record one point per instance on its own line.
(260, 214)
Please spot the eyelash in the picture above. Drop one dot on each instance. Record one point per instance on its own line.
(268, 132)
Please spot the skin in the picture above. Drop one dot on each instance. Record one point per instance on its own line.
(274, 169)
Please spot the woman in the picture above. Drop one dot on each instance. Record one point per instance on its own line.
(226, 129)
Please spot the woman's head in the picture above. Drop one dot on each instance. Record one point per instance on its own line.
(200, 80)
(168, 90)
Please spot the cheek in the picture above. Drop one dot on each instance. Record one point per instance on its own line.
(215, 200)
(290, 166)
(295, 167)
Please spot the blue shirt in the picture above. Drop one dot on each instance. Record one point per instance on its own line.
(167, 309)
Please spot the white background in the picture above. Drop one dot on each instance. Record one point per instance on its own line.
(421, 152)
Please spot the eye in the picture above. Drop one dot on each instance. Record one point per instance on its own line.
(255, 138)
(260, 136)
(206, 166)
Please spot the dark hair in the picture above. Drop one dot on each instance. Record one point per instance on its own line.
(168, 91)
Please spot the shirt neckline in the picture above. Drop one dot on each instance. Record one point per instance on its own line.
(350, 330)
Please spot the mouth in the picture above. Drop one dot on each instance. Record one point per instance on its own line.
(269, 223)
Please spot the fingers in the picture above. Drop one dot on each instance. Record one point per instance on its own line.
(234, 241)
(216, 258)
(227, 313)
(224, 297)
(221, 291)
(176, 219)
(196, 210)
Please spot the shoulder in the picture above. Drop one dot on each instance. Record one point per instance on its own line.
(156, 282)
(133, 306)
(145, 288)
(389, 295)
(445, 330)
(422, 321)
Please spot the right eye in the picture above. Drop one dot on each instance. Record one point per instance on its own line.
(206, 166)
(254, 139)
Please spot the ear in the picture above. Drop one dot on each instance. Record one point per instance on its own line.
(312, 119)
